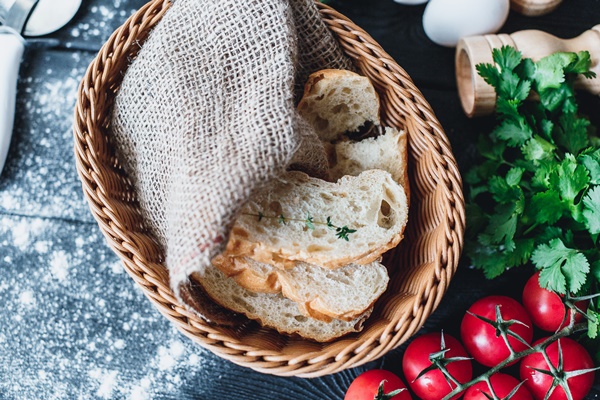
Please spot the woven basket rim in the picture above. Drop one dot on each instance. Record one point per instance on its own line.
(405, 107)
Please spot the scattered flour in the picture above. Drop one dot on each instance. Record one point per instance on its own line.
(59, 265)
(68, 304)
(27, 298)
(107, 380)
(71, 312)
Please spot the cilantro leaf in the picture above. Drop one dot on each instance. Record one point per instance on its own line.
(512, 87)
(538, 149)
(581, 65)
(560, 98)
(513, 133)
(521, 253)
(569, 178)
(593, 323)
(549, 233)
(507, 57)
(546, 207)
(514, 175)
(592, 163)
(489, 73)
(591, 210)
(502, 228)
(508, 108)
(490, 150)
(561, 268)
(550, 70)
(572, 133)
(526, 69)
(503, 192)
(487, 258)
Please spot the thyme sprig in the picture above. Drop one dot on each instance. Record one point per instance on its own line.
(341, 232)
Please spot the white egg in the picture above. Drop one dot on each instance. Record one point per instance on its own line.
(411, 2)
(446, 21)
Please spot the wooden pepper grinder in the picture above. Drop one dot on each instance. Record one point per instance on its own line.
(479, 98)
(534, 8)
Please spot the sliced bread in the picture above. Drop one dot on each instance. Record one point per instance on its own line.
(387, 152)
(297, 218)
(339, 101)
(321, 293)
(273, 310)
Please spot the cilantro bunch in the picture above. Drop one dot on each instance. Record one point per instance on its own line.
(535, 197)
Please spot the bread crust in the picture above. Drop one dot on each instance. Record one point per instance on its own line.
(328, 330)
(279, 281)
(314, 109)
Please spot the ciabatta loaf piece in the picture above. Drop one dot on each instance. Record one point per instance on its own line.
(297, 218)
(344, 293)
(273, 310)
(387, 152)
(339, 101)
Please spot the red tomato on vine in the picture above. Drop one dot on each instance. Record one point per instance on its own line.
(481, 338)
(546, 308)
(433, 385)
(366, 386)
(572, 356)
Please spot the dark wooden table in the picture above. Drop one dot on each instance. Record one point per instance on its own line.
(73, 325)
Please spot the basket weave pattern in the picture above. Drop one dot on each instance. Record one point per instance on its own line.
(422, 266)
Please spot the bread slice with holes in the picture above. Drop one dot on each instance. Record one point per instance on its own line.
(273, 310)
(339, 101)
(388, 152)
(297, 218)
(344, 293)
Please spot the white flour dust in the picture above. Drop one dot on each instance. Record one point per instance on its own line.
(83, 327)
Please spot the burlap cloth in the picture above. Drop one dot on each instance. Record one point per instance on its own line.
(206, 115)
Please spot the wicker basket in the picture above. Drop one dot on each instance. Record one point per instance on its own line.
(425, 261)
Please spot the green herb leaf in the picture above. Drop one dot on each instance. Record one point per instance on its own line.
(561, 268)
(591, 160)
(572, 133)
(282, 220)
(514, 134)
(514, 175)
(310, 222)
(329, 223)
(521, 254)
(550, 70)
(582, 65)
(507, 58)
(502, 228)
(570, 178)
(591, 210)
(547, 207)
(593, 323)
(342, 233)
(538, 149)
(489, 73)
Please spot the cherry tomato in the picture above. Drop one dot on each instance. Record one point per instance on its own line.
(479, 337)
(502, 384)
(366, 385)
(433, 384)
(545, 307)
(575, 357)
